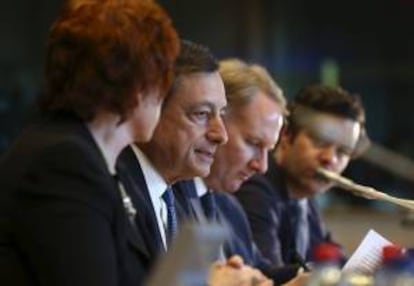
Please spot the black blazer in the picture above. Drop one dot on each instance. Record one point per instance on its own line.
(62, 221)
(227, 211)
(132, 177)
(267, 205)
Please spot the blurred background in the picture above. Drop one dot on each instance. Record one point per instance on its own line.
(365, 46)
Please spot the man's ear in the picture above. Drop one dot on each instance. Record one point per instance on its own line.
(362, 144)
(284, 139)
(282, 145)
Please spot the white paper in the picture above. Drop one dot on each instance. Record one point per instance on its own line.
(368, 255)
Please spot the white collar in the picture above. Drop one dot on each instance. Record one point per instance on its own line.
(200, 186)
(303, 204)
(155, 183)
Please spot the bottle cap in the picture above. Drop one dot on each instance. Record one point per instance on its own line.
(325, 252)
(391, 253)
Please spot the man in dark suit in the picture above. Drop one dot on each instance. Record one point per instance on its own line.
(325, 129)
(185, 140)
(253, 122)
(223, 208)
(183, 146)
(62, 220)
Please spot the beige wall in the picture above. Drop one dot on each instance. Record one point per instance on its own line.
(349, 225)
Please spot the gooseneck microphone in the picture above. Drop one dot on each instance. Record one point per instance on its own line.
(363, 191)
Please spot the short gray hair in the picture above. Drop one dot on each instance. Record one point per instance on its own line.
(242, 81)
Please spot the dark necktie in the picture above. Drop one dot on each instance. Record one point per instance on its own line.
(172, 224)
(209, 205)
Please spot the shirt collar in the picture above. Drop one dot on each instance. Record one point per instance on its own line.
(156, 184)
(200, 186)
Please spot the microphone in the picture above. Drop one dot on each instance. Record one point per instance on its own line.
(361, 190)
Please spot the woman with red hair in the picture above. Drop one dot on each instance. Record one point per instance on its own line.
(64, 219)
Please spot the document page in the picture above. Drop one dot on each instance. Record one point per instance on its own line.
(368, 255)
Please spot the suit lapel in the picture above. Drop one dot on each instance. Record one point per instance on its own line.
(189, 201)
(231, 245)
(136, 239)
(146, 225)
(286, 229)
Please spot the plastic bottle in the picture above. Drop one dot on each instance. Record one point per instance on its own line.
(390, 267)
(326, 270)
(405, 273)
(354, 278)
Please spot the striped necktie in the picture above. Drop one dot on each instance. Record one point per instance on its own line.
(172, 224)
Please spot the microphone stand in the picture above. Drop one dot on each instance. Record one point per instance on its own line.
(364, 191)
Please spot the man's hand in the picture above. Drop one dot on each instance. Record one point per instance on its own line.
(234, 273)
(299, 280)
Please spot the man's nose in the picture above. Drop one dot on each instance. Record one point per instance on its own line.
(329, 156)
(217, 130)
(259, 163)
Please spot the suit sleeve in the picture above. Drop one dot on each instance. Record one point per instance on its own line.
(279, 275)
(263, 217)
(64, 219)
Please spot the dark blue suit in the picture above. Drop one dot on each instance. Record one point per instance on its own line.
(62, 220)
(225, 209)
(268, 208)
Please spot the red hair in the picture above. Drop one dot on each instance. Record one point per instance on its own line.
(101, 53)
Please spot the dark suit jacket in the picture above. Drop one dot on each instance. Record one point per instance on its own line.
(132, 177)
(266, 202)
(62, 221)
(227, 210)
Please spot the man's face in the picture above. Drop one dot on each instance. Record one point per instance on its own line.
(328, 144)
(253, 130)
(190, 127)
